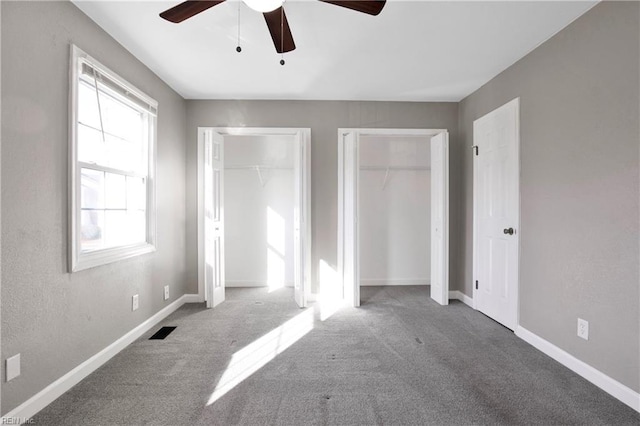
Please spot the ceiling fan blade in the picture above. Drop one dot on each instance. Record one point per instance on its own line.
(370, 7)
(280, 31)
(187, 9)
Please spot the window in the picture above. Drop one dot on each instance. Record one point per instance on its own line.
(112, 152)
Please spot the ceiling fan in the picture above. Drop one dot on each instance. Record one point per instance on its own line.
(273, 14)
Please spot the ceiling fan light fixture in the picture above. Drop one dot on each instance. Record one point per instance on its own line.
(264, 6)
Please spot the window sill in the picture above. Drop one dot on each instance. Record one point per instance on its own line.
(106, 256)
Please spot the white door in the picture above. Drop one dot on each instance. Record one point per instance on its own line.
(213, 196)
(440, 218)
(497, 213)
(301, 247)
(351, 249)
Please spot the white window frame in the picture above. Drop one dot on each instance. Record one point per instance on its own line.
(79, 261)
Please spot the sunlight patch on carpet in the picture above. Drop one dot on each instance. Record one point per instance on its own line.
(256, 355)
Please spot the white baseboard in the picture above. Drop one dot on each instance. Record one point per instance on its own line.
(33, 405)
(366, 282)
(598, 378)
(193, 298)
(458, 295)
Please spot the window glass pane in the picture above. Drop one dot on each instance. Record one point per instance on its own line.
(120, 119)
(115, 227)
(123, 228)
(91, 230)
(136, 193)
(92, 189)
(115, 191)
(137, 226)
(125, 130)
(123, 155)
(88, 105)
(90, 145)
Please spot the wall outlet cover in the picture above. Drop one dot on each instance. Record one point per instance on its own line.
(13, 367)
(166, 292)
(134, 302)
(583, 329)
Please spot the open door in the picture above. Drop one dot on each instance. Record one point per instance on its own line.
(440, 218)
(351, 247)
(301, 223)
(211, 246)
(211, 143)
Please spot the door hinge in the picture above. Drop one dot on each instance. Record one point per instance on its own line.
(475, 148)
(476, 284)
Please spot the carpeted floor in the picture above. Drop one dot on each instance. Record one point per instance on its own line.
(400, 359)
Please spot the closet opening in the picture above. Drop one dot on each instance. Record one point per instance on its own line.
(393, 210)
(254, 227)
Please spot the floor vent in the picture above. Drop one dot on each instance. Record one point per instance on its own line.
(162, 333)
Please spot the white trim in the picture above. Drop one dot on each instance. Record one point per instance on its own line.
(77, 260)
(598, 378)
(392, 282)
(341, 237)
(200, 215)
(104, 70)
(391, 132)
(193, 298)
(458, 295)
(33, 405)
(304, 137)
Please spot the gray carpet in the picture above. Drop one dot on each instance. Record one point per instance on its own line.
(400, 359)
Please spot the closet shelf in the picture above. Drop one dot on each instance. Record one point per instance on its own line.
(255, 167)
(258, 168)
(387, 169)
(395, 168)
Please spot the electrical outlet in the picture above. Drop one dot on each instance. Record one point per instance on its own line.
(166, 292)
(13, 367)
(134, 302)
(583, 329)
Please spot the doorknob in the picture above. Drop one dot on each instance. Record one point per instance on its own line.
(509, 231)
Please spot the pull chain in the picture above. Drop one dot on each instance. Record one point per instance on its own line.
(239, 49)
(282, 35)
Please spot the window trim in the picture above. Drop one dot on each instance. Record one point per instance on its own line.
(79, 261)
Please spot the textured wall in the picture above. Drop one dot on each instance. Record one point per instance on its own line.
(579, 186)
(57, 320)
(324, 118)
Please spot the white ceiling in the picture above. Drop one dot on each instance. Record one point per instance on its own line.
(412, 51)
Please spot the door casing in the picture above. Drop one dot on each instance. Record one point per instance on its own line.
(348, 232)
(303, 215)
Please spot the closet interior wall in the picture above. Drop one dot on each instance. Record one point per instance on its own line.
(395, 210)
(258, 210)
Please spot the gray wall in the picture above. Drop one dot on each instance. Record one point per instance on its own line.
(324, 118)
(579, 186)
(54, 319)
